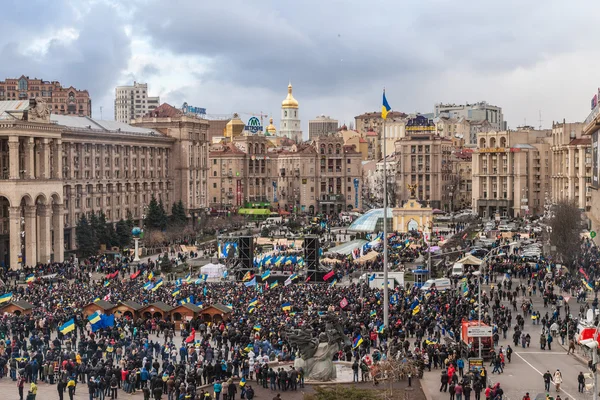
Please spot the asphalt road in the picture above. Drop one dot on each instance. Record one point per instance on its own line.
(524, 373)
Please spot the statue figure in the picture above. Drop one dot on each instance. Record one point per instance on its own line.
(316, 354)
(413, 190)
(38, 110)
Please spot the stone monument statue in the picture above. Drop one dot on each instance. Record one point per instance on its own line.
(413, 190)
(38, 111)
(316, 354)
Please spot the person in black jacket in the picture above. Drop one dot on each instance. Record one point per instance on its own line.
(444, 379)
(581, 382)
(231, 390)
(60, 388)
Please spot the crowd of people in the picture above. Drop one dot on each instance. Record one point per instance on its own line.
(197, 359)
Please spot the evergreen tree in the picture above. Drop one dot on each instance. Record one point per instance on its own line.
(178, 215)
(85, 238)
(95, 225)
(154, 215)
(165, 263)
(111, 235)
(129, 217)
(123, 234)
(164, 219)
(101, 229)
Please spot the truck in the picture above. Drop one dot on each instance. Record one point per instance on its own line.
(470, 343)
(394, 278)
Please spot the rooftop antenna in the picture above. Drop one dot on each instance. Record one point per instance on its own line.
(540, 120)
(100, 113)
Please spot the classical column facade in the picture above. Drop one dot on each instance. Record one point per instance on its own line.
(58, 226)
(14, 231)
(44, 238)
(30, 236)
(13, 157)
(29, 158)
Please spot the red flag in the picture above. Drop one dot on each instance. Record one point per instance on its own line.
(135, 274)
(307, 279)
(328, 275)
(344, 302)
(584, 274)
(464, 236)
(192, 337)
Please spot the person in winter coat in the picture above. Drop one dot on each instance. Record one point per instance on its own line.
(444, 380)
(580, 382)
(557, 379)
(547, 378)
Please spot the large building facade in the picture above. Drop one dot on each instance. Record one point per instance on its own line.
(425, 160)
(59, 99)
(511, 172)
(571, 164)
(58, 168)
(132, 102)
(481, 111)
(323, 175)
(321, 125)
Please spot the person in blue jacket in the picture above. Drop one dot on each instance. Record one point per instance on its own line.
(217, 387)
(460, 363)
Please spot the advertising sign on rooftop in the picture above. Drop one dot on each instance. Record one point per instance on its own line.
(254, 125)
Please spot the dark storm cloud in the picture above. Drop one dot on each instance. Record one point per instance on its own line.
(93, 61)
(252, 44)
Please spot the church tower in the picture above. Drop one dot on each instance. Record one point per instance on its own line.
(290, 118)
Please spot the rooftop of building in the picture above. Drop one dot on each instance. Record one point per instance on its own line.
(580, 141)
(377, 114)
(477, 104)
(96, 125)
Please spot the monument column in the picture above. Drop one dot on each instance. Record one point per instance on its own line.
(30, 236)
(14, 230)
(58, 225)
(13, 157)
(45, 243)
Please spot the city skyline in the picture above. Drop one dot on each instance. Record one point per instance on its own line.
(337, 71)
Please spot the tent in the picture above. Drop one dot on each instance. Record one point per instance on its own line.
(367, 257)
(213, 270)
(330, 260)
(470, 260)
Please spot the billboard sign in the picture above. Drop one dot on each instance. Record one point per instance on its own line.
(595, 163)
(254, 125)
(479, 331)
(187, 109)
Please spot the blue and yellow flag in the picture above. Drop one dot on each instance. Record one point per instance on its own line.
(357, 342)
(176, 292)
(106, 283)
(147, 286)
(67, 327)
(385, 107)
(249, 348)
(5, 297)
(286, 306)
(157, 285)
(94, 318)
(381, 328)
(266, 275)
(416, 310)
(373, 313)
(251, 309)
(150, 275)
(257, 328)
(587, 285)
(253, 302)
(188, 278)
(30, 278)
(333, 282)
(274, 285)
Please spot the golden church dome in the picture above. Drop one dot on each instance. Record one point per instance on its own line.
(234, 127)
(271, 130)
(290, 101)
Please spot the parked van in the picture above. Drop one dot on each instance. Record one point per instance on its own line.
(458, 269)
(441, 284)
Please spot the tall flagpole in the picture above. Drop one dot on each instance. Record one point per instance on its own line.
(386, 297)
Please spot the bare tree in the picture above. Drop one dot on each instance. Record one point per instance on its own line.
(566, 227)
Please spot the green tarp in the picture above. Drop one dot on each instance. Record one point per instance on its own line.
(254, 211)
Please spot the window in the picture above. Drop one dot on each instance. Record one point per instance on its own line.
(214, 185)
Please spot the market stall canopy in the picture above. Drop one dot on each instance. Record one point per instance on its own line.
(348, 247)
(330, 260)
(367, 257)
(470, 260)
(213, 270)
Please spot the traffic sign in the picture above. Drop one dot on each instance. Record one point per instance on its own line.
(593, 234)
(479, 331)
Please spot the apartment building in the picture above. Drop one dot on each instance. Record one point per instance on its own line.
(321, 125)
(571, 164)
(511, 172)
(425, 160)
(59, 99)
(132, 102)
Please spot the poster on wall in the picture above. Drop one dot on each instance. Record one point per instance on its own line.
(595, 164)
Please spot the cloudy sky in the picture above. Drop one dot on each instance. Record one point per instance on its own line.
(238, 56)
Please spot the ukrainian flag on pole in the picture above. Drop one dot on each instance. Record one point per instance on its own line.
(385, 108)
